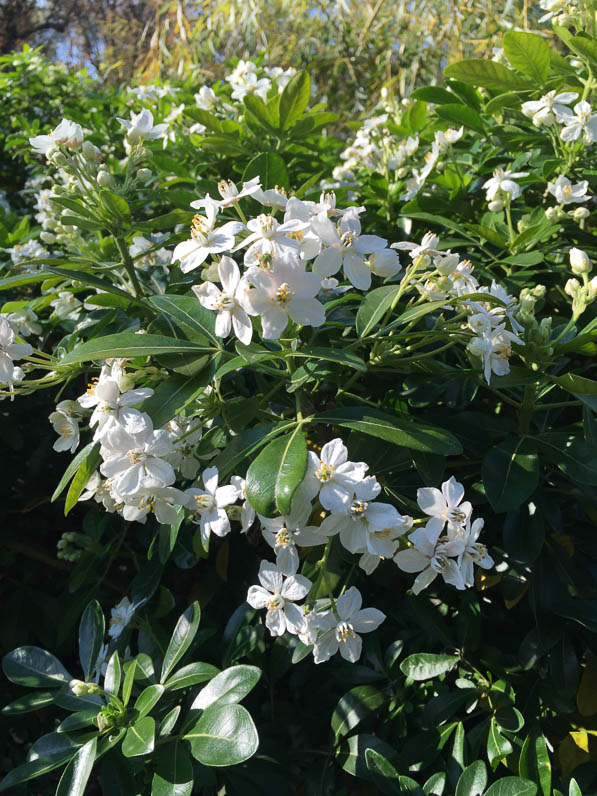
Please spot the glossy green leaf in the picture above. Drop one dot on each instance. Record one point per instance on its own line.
(331, 355)
(168, 722)
(192, 674)
(127, 685)
(127, 344)
(224, 736)
(28, 703)
(473, 780)
(261, 113)
(148, 699)
(113, 674)
(400, 432)
(93, 280)
(190, 315)
(228, 687)
(435, 785)
(35, 668)
(294, 99)
(424, 665)
(528, 53)
(174, 771)
(356, 705)
(487, 74)
(498, 747)
(510, 474)
(384, 773)
(274, 475)
(534, 762)
(182, 638)
(572, 456)
(84, 472)
(91, 636)
(174, 393)
(76, 721)
(140, 738)
(270, 168)
(372, 310)
(435, 94)
(246, 444)
(76, 775)
(461, 115)
(512, 786)
(33, 769)
(73, 467)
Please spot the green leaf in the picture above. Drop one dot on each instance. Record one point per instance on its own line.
(84, 472)
(435, 94)
(78, 720)
(473, 780)
(34, 668)
(116, 205)
(528, 53)
(573, 789)
(127, 344)
(512, 786)
(352, 754)
(488, 74)
(246, 444)
(127, 685)
(224, 736)
(148, 699)
(192, 674)
(572, 456)
(173, 394)
(331, 355)
(435, 785)
(169, 535)
(462, 115)
(182, 638)
(374, 307)
(586, 47)
(274, 475)
(294, 99)
(261, 113)
(34, 768)
(498, 747)
(510, 475)
(270, 168)
(140, 738)
(72, 468)
(189, 314)
(424, 665)
(353, 707)
(76, 775)
(91, 636)
(169, 720)
(94, 281)
(228, 687)
(174, 771)
(384, 772)
(400, 432)
(28, 703)
(534, 762)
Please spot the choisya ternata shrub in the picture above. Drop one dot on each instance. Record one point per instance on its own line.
(346, 385)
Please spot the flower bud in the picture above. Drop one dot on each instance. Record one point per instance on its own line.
(572, 287)
(47, 237)
(144, 175)
(496, 205)
(580, 262)
(90, 152)
(127, 382)
(57, 158)
(80, 688)
(580, 213)
(539, 291)
(104, 179)
(593, 287)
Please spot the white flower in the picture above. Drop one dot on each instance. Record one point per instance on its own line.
(272, 197)
(134, 462)
(582, 122)
(206, 98)
(427, 248)
(549, 108)
(185, 433)
(270, 238)
(385, 263)
(566, 193)
(446, 505)
(141, 127)
(210, 504)
(66, 306)
(279, 594)
(445, 138)
(121, 616)
(205, 240)
(21, 252)
(285, 291)
(365, 526)
(345, 247)
(100, 491)
(430, 557)
(503, 181)
(285, 533)
(580, 262)
(230, 193)
(495, 349)
(247, 512)
(9, 351)
(69, 134)
(227, 302)
(341, 632)
(158, 500)
(474, 552)
(23, 321)
(332, 476)
(65, 420)
(111, 407)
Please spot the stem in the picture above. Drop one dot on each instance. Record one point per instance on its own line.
(129, 266)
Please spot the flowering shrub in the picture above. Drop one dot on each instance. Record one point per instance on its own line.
(343, 388)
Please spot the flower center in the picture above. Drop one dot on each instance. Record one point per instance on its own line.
(344, 632)
(226, 302)
(227, 189)
(199, 227)
(283, 538)
(347, 239)
(324, 472)
(91, 386)
(284, 294)
(204, 502)
(267, 224)
(66, 430)
(567, 190)
(358, 508)
(456, 515)
(136, 456)
(276, 603)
